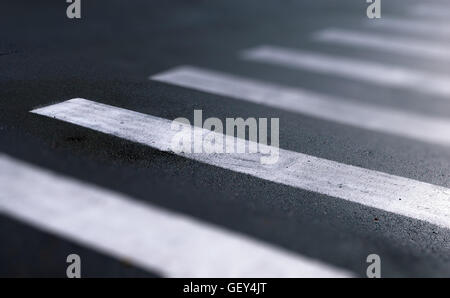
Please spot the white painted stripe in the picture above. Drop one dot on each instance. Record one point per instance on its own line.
(384, 42)
(414, 199)
(376, 73)
(431, 28)
(430, 10)
(174, 245)
(350, 112)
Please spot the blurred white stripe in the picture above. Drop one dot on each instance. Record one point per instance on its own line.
(359, 70)
(403, 196)
(430, 10)
(158, 240)
(386, 120)
(412, 26)
(384, 42)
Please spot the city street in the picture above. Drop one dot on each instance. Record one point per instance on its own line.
(87, 167)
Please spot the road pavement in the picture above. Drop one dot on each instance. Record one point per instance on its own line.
(364, 118)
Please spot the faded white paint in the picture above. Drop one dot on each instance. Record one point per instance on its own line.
(399, 195)
(358, 70)
(161, 241)
(349, 112)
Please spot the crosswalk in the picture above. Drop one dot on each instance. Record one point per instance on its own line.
(372, 117)
(153, 238)
(354, 69)
(430, 11)
(421, 201)
(177, 245)
(384, 42)
(417, 27)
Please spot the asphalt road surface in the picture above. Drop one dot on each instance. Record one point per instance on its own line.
(364, 131)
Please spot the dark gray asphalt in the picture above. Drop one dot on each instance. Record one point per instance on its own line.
(108, 55)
